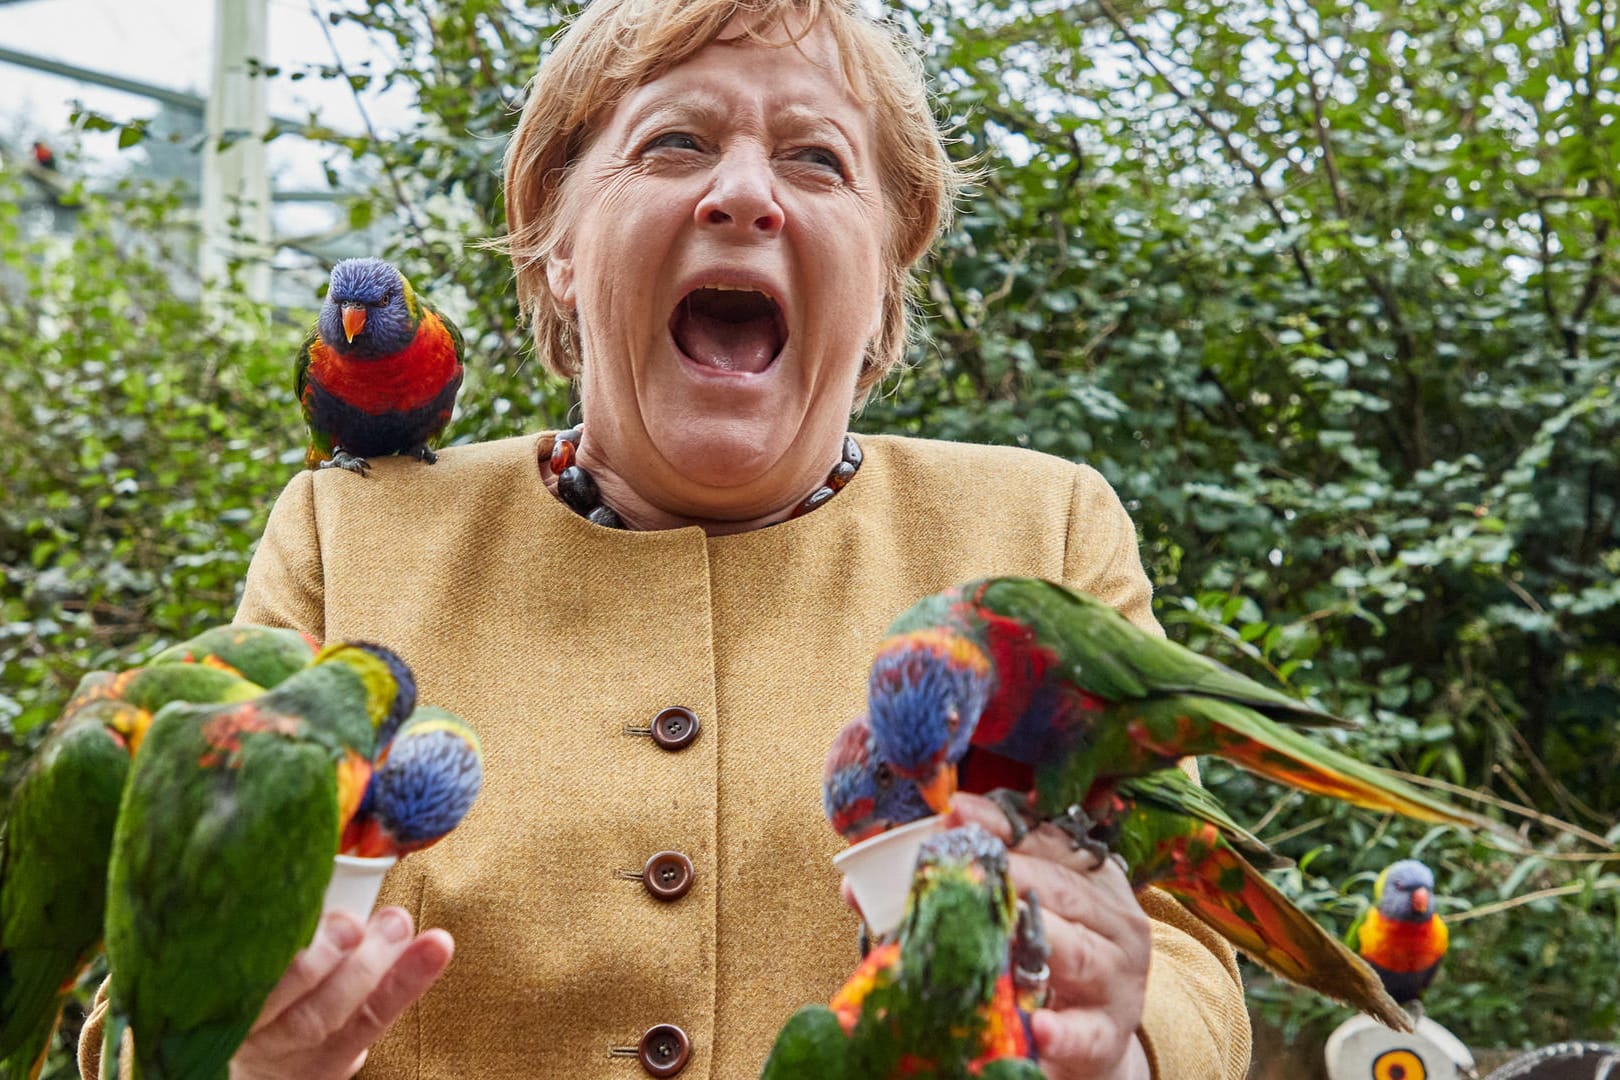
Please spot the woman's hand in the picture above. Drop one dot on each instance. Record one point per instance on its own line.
(1100, 942)
(339, 995)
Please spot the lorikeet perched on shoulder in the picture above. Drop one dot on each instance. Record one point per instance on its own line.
(938, 1002)
(1401, 936)
(58, 840)
(379, 372)
(223, 849)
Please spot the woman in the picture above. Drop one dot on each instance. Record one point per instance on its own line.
(713, 218)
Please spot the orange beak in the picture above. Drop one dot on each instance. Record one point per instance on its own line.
(939, 789)
(1420, 900)
(354, 319)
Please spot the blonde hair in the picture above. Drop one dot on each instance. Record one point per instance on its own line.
(618, 45)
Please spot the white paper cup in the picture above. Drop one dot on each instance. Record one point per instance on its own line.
(354, 885)
(880, 869)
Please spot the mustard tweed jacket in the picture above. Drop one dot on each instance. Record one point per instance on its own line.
(558, 639)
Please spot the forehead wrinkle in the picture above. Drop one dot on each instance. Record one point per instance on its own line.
(690, 104)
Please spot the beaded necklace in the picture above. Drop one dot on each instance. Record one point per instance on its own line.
(581, 495)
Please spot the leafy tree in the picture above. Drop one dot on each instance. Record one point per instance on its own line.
(1326, 290)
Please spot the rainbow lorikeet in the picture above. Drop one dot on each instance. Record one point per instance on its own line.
(1170, 832)
(1400, 935)
(1037, 674)
(262, 654)
(938, 1002)
(58, 840)
(425, 781)
(224, 845)
(379, 372)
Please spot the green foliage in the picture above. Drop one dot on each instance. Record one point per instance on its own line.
(1327, 291)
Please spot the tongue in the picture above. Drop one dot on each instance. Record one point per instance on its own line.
(748, 345)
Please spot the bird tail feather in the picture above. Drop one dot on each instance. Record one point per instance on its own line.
(1287, 757)
(1269, 929)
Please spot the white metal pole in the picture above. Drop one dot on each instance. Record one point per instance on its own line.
(235, 184)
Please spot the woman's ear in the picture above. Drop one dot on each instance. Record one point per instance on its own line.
(560, 276)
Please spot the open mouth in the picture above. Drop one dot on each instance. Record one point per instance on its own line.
(729, 328)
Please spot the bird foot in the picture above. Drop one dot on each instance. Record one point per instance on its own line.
(1030, 952)
(1080, 829)
(1015, 804)
(342, 459)
(422, 454)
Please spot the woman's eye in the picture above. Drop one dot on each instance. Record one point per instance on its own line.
(820, 156)
(673, 140)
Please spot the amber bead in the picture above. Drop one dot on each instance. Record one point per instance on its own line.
(842, 473)
(562, 456)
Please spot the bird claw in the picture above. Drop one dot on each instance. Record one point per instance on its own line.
(1030, 952)
(342, 459)
(1078, 826)
(422, 454)
(1014, 804)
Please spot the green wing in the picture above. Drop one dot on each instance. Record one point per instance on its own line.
(222, 855)
(265, 655)
(53, 875)
(1108, 656)
(1174, 791)
(810, 1046)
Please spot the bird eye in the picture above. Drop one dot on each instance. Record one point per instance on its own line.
(883, 775)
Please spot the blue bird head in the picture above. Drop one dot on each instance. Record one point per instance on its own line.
(1405, 891)
(370, 310)
(863, 797)
(425, 785)
(924, 697)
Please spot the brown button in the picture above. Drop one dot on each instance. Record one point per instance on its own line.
(664, 1050)
(675, 728)
(668, 876)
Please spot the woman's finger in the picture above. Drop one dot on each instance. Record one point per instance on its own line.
(416, 969)
(1101, 899)
(1078, 1042)
(1086, 967)
(337, 934)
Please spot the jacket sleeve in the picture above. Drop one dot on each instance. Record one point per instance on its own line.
(286, 584)
(1194, 1022)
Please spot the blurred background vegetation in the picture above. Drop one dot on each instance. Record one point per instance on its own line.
(1328, 291)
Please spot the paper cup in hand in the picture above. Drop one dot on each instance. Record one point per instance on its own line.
(354, 885)
(879, 870)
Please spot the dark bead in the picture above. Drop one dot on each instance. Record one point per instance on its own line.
(562, 455)
(664, 1050)
(852, 452)
(573, 434)
(815, 499)
(668, 875)
(605, 517)
(578, 490)
(841, 475)
(675, 728)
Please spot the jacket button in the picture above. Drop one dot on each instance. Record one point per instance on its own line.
(675, 728)
(668, 876)
(664, 1050)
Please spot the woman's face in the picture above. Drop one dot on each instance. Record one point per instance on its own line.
(725, 257)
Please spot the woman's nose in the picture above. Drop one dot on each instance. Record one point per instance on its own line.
(742, 197)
